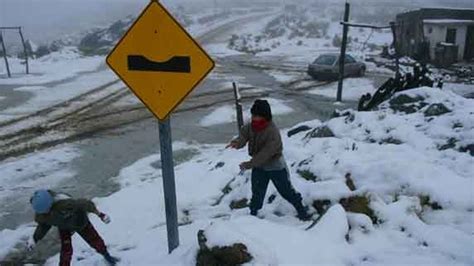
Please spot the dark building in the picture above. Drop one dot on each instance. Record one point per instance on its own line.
(441, 36)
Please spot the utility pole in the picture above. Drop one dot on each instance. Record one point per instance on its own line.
(5, 55)
(342, 56)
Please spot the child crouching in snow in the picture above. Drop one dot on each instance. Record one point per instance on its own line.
(267, 163)
(69, 216)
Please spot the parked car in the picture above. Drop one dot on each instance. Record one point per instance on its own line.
(326, 67)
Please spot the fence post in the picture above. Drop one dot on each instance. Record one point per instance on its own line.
(238, 107)
(5, 55)
(25, 51)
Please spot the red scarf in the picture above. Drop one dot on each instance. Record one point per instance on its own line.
(259, 125)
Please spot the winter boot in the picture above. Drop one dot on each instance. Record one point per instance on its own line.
(110, 259)
(303, 213)
(253, 212)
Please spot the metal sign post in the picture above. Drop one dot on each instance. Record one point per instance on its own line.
(154, 55)
(169, 186)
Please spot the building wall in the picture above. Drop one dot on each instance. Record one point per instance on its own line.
(409, 34)
(411, 31)
(438, 34)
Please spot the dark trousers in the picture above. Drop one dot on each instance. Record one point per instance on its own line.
(89, 234)
(281, 180)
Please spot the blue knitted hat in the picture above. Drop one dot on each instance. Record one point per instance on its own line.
(42, 201)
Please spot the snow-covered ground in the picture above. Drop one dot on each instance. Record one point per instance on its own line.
(285, 76)
(44, 97)
(222, 49)
(301, 37)
(62, 70)
(37, 170)
(419, 190)
(354, 88)
(22, 176)
(64, 64)
(461, 89)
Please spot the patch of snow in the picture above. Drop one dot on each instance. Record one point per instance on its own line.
(43, 169)
(460, 89)
(11, 238)
(220, 50)
(30, 88)
(48, 96)
(221, 115)
(64, 64)
(353, 89)
(284, 77)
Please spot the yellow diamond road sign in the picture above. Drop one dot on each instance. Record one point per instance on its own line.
(159, 61)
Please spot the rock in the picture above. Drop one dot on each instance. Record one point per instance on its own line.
(202, 239)
(469, 95)
(426, 201)
(406, 104)
(391, 140)
(305, 162)
(469, 148)
(156, 164)
(363, 102)
(297, 130)
(272, 198)
(450, 144)
(458, 125)
(321, 205)
(347, 114)
(100, 41)
(239, 204)
(307, 175)
(437, 109)
(42, 51)
(320, 132)
(219, 165)
(358, 204)
(404, 99)
(350, 182)
(236, 254)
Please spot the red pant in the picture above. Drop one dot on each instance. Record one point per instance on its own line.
(89, 234)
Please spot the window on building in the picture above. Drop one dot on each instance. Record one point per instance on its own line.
(430, 30)
(451, 36)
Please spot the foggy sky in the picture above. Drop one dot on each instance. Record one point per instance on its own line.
(44, 20)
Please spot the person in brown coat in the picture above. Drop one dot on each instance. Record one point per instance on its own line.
(267, 163)
(69, 216)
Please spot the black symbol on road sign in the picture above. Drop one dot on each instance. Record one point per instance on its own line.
(180, 64)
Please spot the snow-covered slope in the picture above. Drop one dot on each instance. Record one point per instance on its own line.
(410, 170)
